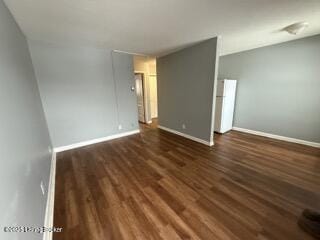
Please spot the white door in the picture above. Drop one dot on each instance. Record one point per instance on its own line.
(140, 101)
(153, 96)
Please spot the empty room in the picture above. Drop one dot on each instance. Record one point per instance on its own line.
(160, 120)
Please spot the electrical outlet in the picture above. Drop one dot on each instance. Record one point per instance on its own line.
(183, 126)
(43, 189)
(120, 127)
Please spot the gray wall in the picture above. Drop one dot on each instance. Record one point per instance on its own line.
(83, 97)
(278, 88)
(126, 99)
(24, 139)
(186, 89)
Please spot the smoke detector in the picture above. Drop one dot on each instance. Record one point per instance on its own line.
(296, 28)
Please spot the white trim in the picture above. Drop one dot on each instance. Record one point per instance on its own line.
(215, 83)
(131, 53)
(186, 136)
(48, 221)
(269, 135)
(93, 141)
(149, 122)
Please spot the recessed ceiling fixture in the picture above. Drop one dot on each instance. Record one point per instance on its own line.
(296, 28)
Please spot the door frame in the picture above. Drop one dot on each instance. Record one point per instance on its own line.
(143, 93)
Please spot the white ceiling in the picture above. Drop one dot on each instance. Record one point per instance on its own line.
(155, 27)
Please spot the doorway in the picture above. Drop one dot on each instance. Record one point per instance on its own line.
(146, 88)
(139, 81)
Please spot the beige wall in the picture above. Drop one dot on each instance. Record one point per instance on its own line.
(139, 63)
(152, 67)
(147, 66)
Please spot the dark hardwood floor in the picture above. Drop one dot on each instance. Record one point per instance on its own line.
(156, 185)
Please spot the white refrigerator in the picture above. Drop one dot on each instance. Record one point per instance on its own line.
(225, 99)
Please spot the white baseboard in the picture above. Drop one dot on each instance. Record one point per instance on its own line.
(48, 221)
(93, 141)
(269, 135)
(186, 136)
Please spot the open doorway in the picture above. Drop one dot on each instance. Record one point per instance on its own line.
(146, 88)
(140, 96)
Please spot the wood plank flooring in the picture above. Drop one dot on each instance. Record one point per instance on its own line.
(156, 185)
